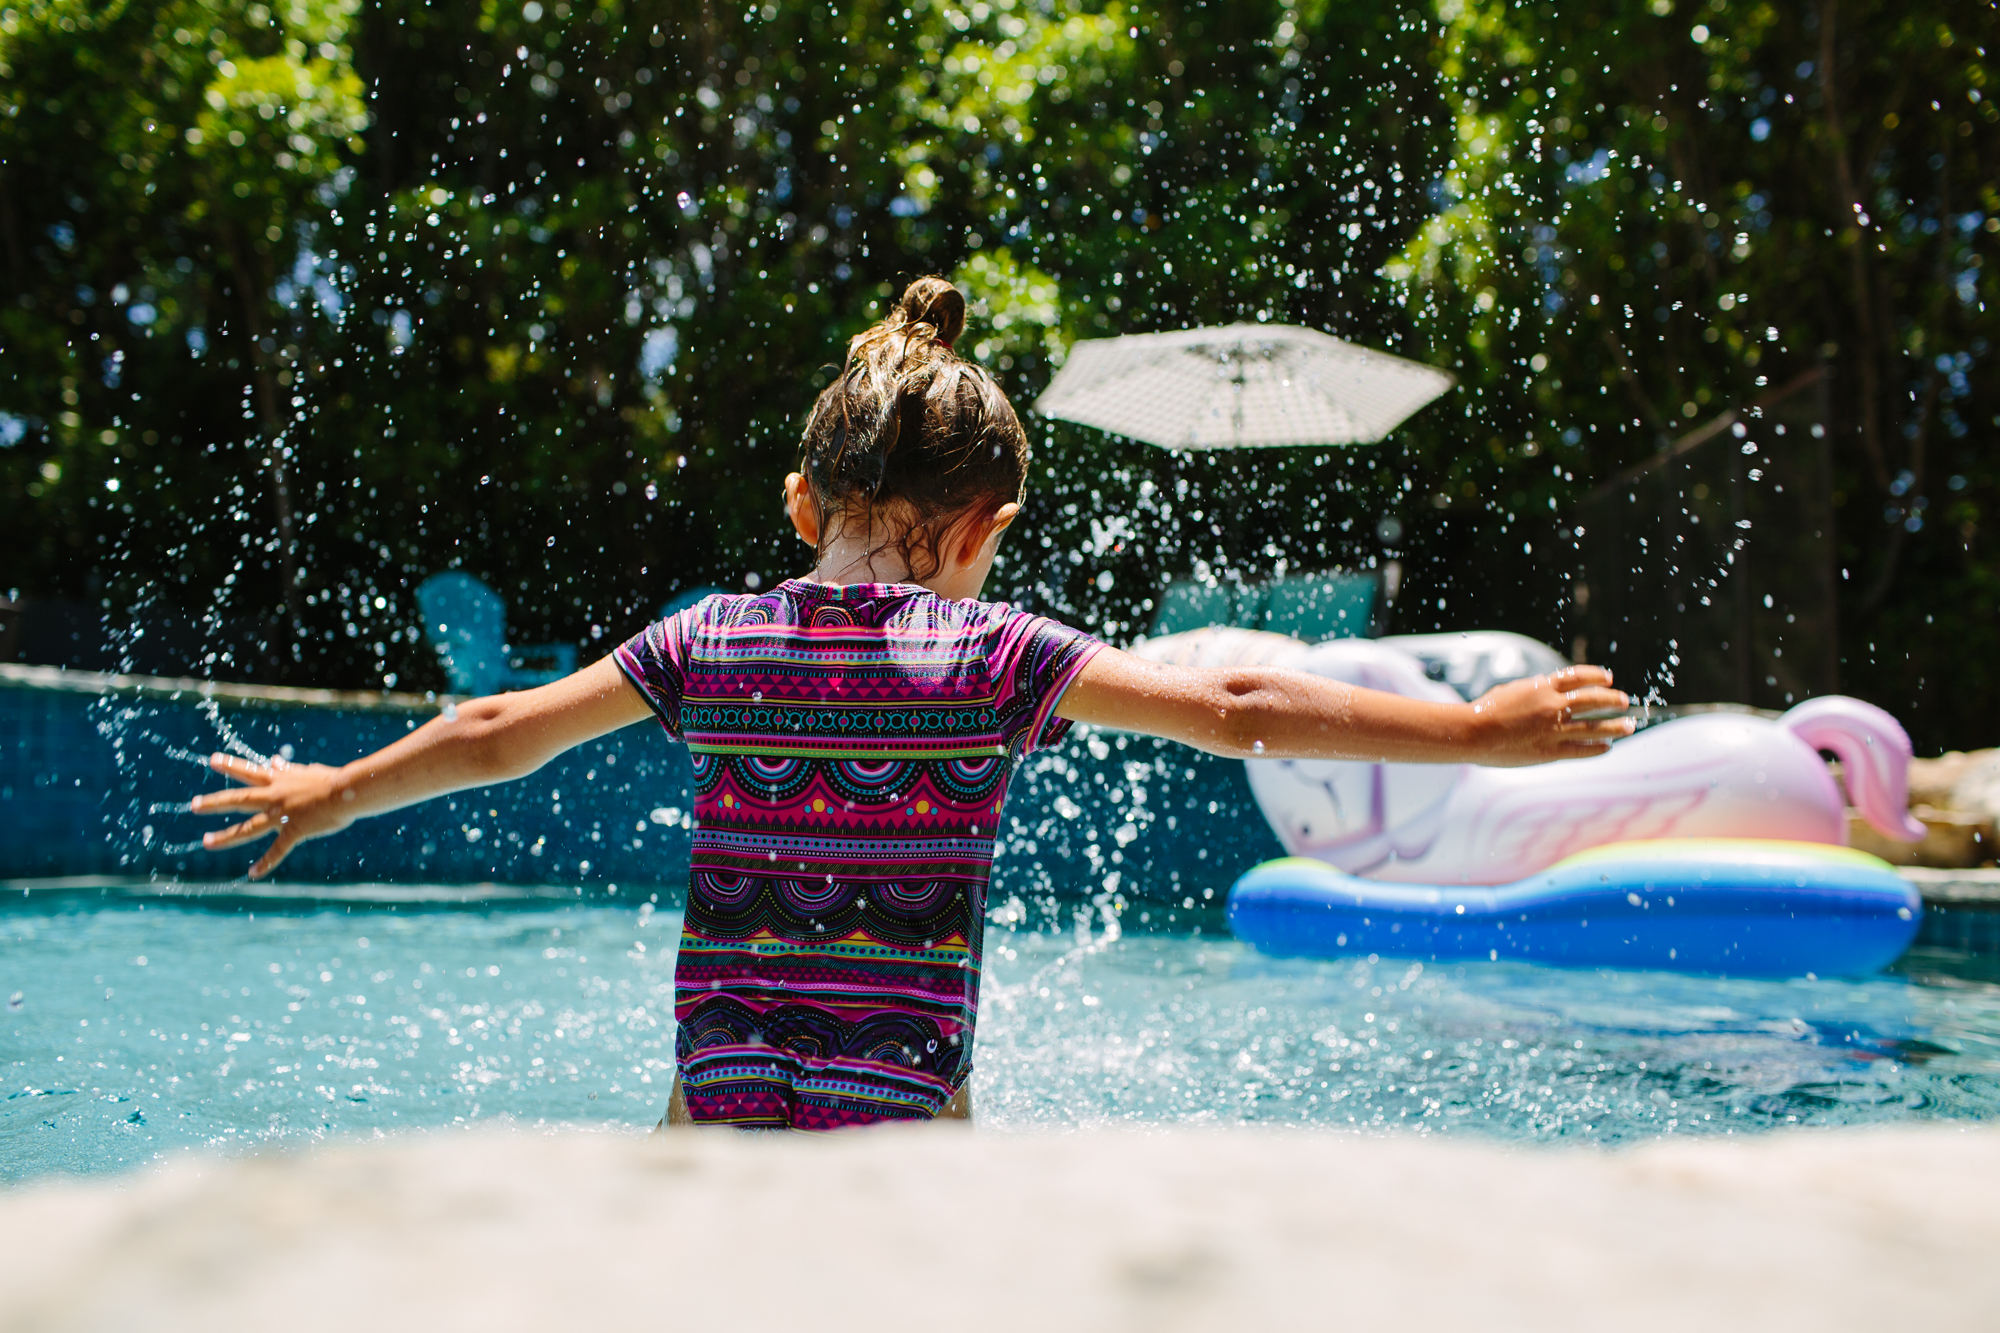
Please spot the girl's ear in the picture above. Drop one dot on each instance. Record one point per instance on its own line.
(802, 510)
(981, 532)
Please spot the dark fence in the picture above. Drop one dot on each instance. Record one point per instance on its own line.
(94, 770)
(150, 640)
(1709, 568)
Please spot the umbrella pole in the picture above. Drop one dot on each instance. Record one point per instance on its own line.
(1236, 413)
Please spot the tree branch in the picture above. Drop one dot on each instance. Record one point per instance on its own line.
(1855, 239)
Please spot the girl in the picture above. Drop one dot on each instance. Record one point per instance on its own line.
(852, 732)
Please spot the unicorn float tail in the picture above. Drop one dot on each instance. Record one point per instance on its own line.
(1874, 753)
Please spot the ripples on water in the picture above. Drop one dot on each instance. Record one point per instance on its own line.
(133, 1030)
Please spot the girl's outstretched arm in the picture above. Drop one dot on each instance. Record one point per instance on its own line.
(1279, 714)
(483, 741)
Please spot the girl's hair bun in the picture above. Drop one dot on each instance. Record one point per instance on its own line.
(912, 426)
(934, 302)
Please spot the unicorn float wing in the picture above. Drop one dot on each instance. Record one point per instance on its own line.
(1725, 775)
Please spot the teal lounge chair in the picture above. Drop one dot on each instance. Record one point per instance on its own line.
(467, 624)
(1306, 606)
(1320, 606)
(682, 601)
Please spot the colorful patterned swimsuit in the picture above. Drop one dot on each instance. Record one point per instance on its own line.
(851, 751)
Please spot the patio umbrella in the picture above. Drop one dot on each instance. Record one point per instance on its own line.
(1241, 386)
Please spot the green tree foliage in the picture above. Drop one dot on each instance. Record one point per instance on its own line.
(163, 165)
(1662, 210)
(558, 317)
(544, 290)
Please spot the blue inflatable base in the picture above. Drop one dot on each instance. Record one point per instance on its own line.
(1730, 907)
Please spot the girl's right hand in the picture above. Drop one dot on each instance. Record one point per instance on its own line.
(294, 801)
(479, 743)
(1540, 718)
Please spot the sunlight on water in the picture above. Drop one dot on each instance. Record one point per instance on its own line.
(134, 1031)
(143, 1030)
(1172, 1028)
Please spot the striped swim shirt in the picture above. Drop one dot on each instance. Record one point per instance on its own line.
(851, 748)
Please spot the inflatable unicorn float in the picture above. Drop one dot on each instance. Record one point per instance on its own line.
(1710, 842)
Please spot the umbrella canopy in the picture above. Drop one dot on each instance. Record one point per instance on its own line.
(1242, 386)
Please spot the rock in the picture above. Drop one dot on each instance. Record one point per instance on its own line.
(1932, 780)
(1957, 797)
(1953, 840)
(1977, 789)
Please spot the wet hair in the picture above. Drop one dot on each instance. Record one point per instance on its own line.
(911, 437)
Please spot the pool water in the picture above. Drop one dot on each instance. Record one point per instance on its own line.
(131, 1029)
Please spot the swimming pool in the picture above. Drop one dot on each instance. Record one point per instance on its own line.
(133, 1027)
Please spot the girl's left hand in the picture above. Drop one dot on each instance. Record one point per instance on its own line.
(1558, 716)
(294, 801)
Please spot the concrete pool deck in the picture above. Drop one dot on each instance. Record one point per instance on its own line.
(944, 1228)
(1946, 887)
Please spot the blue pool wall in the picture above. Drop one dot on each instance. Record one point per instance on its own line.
(94, 768)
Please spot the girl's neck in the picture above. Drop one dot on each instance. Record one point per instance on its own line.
(844, 569)
(847, 575)
(848, 560)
